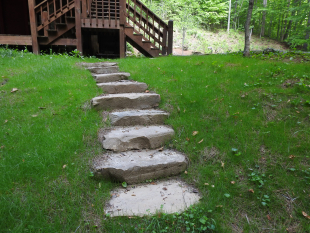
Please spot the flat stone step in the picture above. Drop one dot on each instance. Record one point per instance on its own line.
(147, 199)
(114, 77)
(138, 117)
(103, 70)
(127, 100)
(135, 137)
(98, 64)
(139, 166)
(123, 86)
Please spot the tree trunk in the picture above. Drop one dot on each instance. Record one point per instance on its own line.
(247, 43)
(229, 10)
(305, 46)
(289, 26)
(270, 28)
(262, 32)
(236, 15)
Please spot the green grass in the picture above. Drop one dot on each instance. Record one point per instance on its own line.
(251, 115)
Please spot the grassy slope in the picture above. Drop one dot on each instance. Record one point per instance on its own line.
(37, 193)
(203, 93)
(208, 94)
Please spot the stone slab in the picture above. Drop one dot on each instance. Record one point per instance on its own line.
(114, 77)
(139, 166)
(127, 100)
(124, 86)
(104, 70)
(135, 137)
(97, 64)
(166, 196)
(138, 117)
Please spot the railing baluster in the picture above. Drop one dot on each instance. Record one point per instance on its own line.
(55, 11)
(96, 13)
(115, 16)
(41, 10)
(61, 6)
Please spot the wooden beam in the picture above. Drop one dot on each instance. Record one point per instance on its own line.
(65, 41)
(15, 40)
(122, 43)
(33, 27)
(78, 28)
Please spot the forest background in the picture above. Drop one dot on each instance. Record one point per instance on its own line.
(209, 25)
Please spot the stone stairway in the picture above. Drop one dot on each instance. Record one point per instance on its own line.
(134, 147)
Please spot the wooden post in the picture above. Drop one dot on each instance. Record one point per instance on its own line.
(33, 27)
(164, 47)
(170, 37)
(122, 12)
(121, 42)
(78, 28)
(84, 9)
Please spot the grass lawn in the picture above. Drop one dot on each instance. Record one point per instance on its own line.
(243, 122)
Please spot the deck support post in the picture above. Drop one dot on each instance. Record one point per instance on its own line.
(33, 27)
(78, 27)
(170, 37)
(122, 43)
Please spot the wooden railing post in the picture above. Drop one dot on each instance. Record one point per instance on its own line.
(84, 9)
(33, 27)
(164, 47)
(44, 19)
(78, 28)
(170, 37)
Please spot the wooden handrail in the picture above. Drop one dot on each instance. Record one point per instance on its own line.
(146, 22)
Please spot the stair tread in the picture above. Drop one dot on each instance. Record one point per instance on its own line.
(127, 100)
(135, 137)
(102, 78)
(122, 86)
(138, 166)
(138, 117)
(169, 196)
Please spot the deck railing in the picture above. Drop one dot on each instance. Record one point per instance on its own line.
(147, 23)
(101, 13)
(104, 14)
(50, 10)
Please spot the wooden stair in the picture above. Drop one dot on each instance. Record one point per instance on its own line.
(146, 47)
(58, 32)
(56, 20)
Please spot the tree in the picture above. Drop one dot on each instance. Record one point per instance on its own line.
(247, 43)
(305, 45)
(228, 24)
(262, 34)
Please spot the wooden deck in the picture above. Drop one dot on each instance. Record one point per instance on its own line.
(82, 23)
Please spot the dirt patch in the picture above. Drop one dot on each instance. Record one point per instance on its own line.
(211, 153)
(289, 83)
(232, 64)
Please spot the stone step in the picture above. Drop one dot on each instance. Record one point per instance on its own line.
(169, 196)
(127, 100)
(103, 70)
(139, 166)
(138, 117)
(113, 77)
(135, 137)
(123, 86)
(98, 64)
